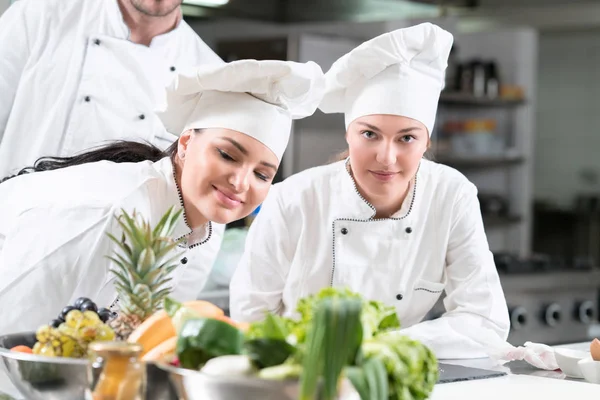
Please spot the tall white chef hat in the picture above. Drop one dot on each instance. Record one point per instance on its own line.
(257, 98)
(398, 73)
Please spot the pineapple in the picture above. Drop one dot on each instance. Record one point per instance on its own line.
(142, 266)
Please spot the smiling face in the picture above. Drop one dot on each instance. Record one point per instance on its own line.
(385, 151)
(224, 174)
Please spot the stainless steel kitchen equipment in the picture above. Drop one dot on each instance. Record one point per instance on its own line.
(549, 301)
(48, 378)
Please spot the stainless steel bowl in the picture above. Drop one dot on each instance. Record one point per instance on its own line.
(193, 385)
(42, 378)
(48, 378)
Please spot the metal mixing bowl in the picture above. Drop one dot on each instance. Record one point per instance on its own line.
(193, 385)
(48, 378)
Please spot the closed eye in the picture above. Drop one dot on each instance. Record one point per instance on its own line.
(225, 156)
(262, 177)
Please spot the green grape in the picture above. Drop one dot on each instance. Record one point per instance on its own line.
(105, 333)
(36, 348)
(67, 330)
(92, 316)
(86, 333)
(74, 318)
(47, 350)
(43, 333)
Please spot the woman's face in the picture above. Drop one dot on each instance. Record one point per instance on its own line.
(385, 151)
(225, 174)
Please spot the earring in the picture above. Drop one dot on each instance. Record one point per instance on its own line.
(182, 155)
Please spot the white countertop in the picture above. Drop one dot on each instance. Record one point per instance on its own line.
(520, 383)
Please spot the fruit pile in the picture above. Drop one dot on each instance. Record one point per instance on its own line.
(83, 304)
(75, 328)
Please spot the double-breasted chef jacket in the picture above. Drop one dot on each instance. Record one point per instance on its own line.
(54, 243)
(315, 230)
(71, 79)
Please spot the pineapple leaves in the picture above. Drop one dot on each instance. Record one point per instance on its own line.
(143, 260)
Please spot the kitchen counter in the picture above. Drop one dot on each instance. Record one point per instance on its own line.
(522, 382)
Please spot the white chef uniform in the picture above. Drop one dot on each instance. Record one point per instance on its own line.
(316, 230)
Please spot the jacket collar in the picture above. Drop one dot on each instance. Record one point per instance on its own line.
(121, 30)
(355, 206)
(175, 199)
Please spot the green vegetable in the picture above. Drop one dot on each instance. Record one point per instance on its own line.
(370, 379)
(179, 313)
(272, 327)
(268, 352)
(411, 367)
(375, 316)
(204, 338)
(334, 337)
(171, 306)
(281, 372)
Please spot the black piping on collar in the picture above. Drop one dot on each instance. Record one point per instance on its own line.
(185, 216)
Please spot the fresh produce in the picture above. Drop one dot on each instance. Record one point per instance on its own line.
(82, 304)
(203, 339)
(22, 349)
(337, 335)
(142, 268)
(165, 324)
(595, 349)
(163, 351)
(72, 337)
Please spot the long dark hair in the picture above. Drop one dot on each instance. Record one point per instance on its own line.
(120, 151)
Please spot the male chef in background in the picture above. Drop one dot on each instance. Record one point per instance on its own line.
(75, 73)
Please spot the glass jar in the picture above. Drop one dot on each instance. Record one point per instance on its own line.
(116, 372)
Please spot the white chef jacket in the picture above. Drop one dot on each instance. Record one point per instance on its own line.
(70, 78)
(315, 230)
(53, 242)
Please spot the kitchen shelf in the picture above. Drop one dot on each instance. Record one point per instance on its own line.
(465, 99)
(479, 161)
(496, 221)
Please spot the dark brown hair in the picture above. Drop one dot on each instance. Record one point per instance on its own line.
(120, 151)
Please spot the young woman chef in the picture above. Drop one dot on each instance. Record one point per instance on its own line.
(235, 121)
(385, 222)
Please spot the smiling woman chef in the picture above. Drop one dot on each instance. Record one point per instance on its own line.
(385, 222)
(53, 242)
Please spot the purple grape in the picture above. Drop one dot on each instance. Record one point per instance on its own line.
(89, 306)
(79, 302)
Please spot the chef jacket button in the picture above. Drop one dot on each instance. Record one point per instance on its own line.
(344, 231)
(97, 42)
(399, 296)
(408, 230)
(184, 260)
(173, 69)
(87, 99)
(142, 116)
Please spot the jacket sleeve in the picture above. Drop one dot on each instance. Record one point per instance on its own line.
(258, 282)
(15, 42)
(476, 319)
(46, 260)
(194, 277)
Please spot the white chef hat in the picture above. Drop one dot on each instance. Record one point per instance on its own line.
(257, 98)
(399, 73)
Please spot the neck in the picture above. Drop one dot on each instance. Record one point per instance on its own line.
(385, 208)
(144, 27)
(193, 216)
